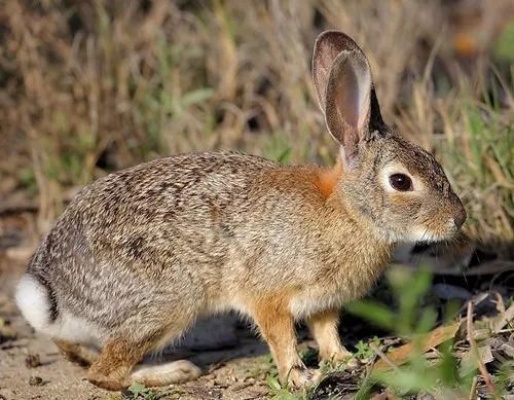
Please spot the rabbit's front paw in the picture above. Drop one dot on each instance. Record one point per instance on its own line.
(351, 363)
(301, 377)
(343, 357)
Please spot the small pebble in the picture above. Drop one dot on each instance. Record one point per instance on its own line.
(32, 361)
(35, 381)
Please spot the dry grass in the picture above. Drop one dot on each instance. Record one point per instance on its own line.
(93, 86)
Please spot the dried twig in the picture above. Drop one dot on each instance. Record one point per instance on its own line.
(430, 340)
(474, 349)
(473, 390)
(16, 207)
(505, 318)
(382, 355)
(500, 304)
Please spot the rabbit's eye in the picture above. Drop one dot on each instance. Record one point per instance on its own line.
(400, 182)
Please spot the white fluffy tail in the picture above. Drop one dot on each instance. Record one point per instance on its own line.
(32, 299)
(165, 374)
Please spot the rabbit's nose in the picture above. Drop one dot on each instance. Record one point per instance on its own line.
(460, 217)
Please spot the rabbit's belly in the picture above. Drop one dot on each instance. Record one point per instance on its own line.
(307, 304)
(76, 329)
(328, 297)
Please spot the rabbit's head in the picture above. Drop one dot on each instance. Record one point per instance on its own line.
(395, 185)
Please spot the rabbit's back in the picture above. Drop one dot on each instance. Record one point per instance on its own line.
(179, 188)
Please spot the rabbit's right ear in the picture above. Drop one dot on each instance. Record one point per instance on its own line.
(343, 81)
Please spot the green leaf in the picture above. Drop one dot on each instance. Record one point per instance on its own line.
(374, 312)
(448, 366)
(284, 156)
(273, 383)
(137, 389)
(196, 96)
(504, 46)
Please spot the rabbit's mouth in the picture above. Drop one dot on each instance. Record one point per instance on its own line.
(429, 234)
(416, 234)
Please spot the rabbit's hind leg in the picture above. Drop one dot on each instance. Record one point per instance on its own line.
(118, 357)
(77, 353)
(112, 370)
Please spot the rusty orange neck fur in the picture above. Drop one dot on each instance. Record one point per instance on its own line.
(328, 178)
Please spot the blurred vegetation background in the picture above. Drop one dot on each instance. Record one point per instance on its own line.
(88, 87)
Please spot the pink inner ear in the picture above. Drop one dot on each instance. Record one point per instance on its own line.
(352, 96)
(364, 102)
(348, 100)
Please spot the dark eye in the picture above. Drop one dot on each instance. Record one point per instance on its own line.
(401, 182)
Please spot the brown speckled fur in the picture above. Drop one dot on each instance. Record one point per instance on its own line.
(138, 255)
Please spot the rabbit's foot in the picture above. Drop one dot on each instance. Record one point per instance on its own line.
(114, 382)
(351, 363)
(342, 356)
(118, 357)
(165, 374)
(301, 377)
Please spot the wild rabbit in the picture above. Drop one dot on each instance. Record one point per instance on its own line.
(139, 255)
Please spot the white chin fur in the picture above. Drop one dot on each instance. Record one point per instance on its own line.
(419, 234)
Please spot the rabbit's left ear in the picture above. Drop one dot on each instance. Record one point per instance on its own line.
(345, 90)
(328, 46)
